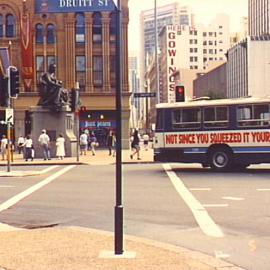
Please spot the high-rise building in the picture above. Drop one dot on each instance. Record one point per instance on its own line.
(258, 17)
(171, 14)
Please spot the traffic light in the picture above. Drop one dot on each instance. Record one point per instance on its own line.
(14, 80)
(3, 91)
(179, 93)
(74, 99)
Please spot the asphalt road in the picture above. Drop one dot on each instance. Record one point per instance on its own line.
(222, 214)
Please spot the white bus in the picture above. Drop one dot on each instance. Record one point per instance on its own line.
(222, 134)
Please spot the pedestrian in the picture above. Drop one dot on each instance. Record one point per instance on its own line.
(114, 144)
(135, 145)
(83, 143)
(94, 143)
(145, 141)
(109, 142)
(28, 144)
(44, 141)
(20, 143)
(3, 147)
(60, 146)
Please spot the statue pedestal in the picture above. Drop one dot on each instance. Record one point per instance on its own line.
(54, 123)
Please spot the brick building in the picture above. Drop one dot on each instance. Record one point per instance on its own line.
(81, 41)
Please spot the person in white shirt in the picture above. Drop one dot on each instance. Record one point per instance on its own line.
(83, 143)
(60, 146)
(44, 141)
(3, 147)
(28, 144)
(20, 143)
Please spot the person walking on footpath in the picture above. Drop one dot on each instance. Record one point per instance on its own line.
(28, 144)
(83, 143)
(135, 145)
(94, 143)
(44, 141)
(3, 147)
(110, 142)
(20, 143)
(145, 141)
(60, 146)
(113, 145)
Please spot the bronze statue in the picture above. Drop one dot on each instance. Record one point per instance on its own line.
(53, 95)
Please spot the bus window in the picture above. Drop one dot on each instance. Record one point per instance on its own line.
(159, 120)
(187, 118)
(253, 115)
(216, 117)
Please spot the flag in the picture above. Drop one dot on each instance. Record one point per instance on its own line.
(27, 51)
(4, 60)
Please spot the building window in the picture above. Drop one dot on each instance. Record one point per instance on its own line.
(112, 70)
(1, 26)
(39, 33)
(97, 70)
(50, 34)
(80, 71)
(40, 68)
(113, 27)
(50, 60)
(10, 26)
(80, 28)
(97, 27)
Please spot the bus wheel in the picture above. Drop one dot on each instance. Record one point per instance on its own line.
(220, 159)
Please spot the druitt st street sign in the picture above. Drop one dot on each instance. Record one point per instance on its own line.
(145, 94)
(59, 6)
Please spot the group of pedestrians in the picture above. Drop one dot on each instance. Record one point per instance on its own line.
(88, 142)
(135, 144)
(27, 148)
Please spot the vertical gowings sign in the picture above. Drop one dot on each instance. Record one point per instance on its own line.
(27, 49)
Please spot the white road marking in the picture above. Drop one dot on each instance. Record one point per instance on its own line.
(216, 205)
(49, 168)
(206, 223)
(263, 189)
(200, 189)
(233, 198)
(221, 255)
(7, 186)
(12, 201)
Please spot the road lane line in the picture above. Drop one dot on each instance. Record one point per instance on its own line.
(221, 255)
(200, 189)
(206, 223)
(233, 198)
(263, 189)
(12, 201)
(215, 205)
(49, 168)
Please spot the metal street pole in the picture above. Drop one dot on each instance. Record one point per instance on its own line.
(8, 122)
(77, 120)
(156, 53)
(118, 210)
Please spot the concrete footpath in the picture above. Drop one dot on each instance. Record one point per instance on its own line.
(74, 248)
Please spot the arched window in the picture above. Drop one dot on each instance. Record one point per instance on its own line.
(97, 27)
(113, 27)
(39, 33)
(1, 26)
(10, 26)
(80, 28)
(50, 34)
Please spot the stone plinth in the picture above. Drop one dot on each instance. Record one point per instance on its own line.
(54, 123)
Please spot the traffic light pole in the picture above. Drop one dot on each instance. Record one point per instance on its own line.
(8, 124)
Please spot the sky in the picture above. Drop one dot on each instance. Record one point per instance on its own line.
(205, 11)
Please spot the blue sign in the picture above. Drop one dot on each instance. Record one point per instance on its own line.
(59, 6)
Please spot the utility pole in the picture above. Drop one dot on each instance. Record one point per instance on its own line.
(156, 53)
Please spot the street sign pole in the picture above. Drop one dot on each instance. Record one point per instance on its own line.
(8, 124)
(118, 210)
